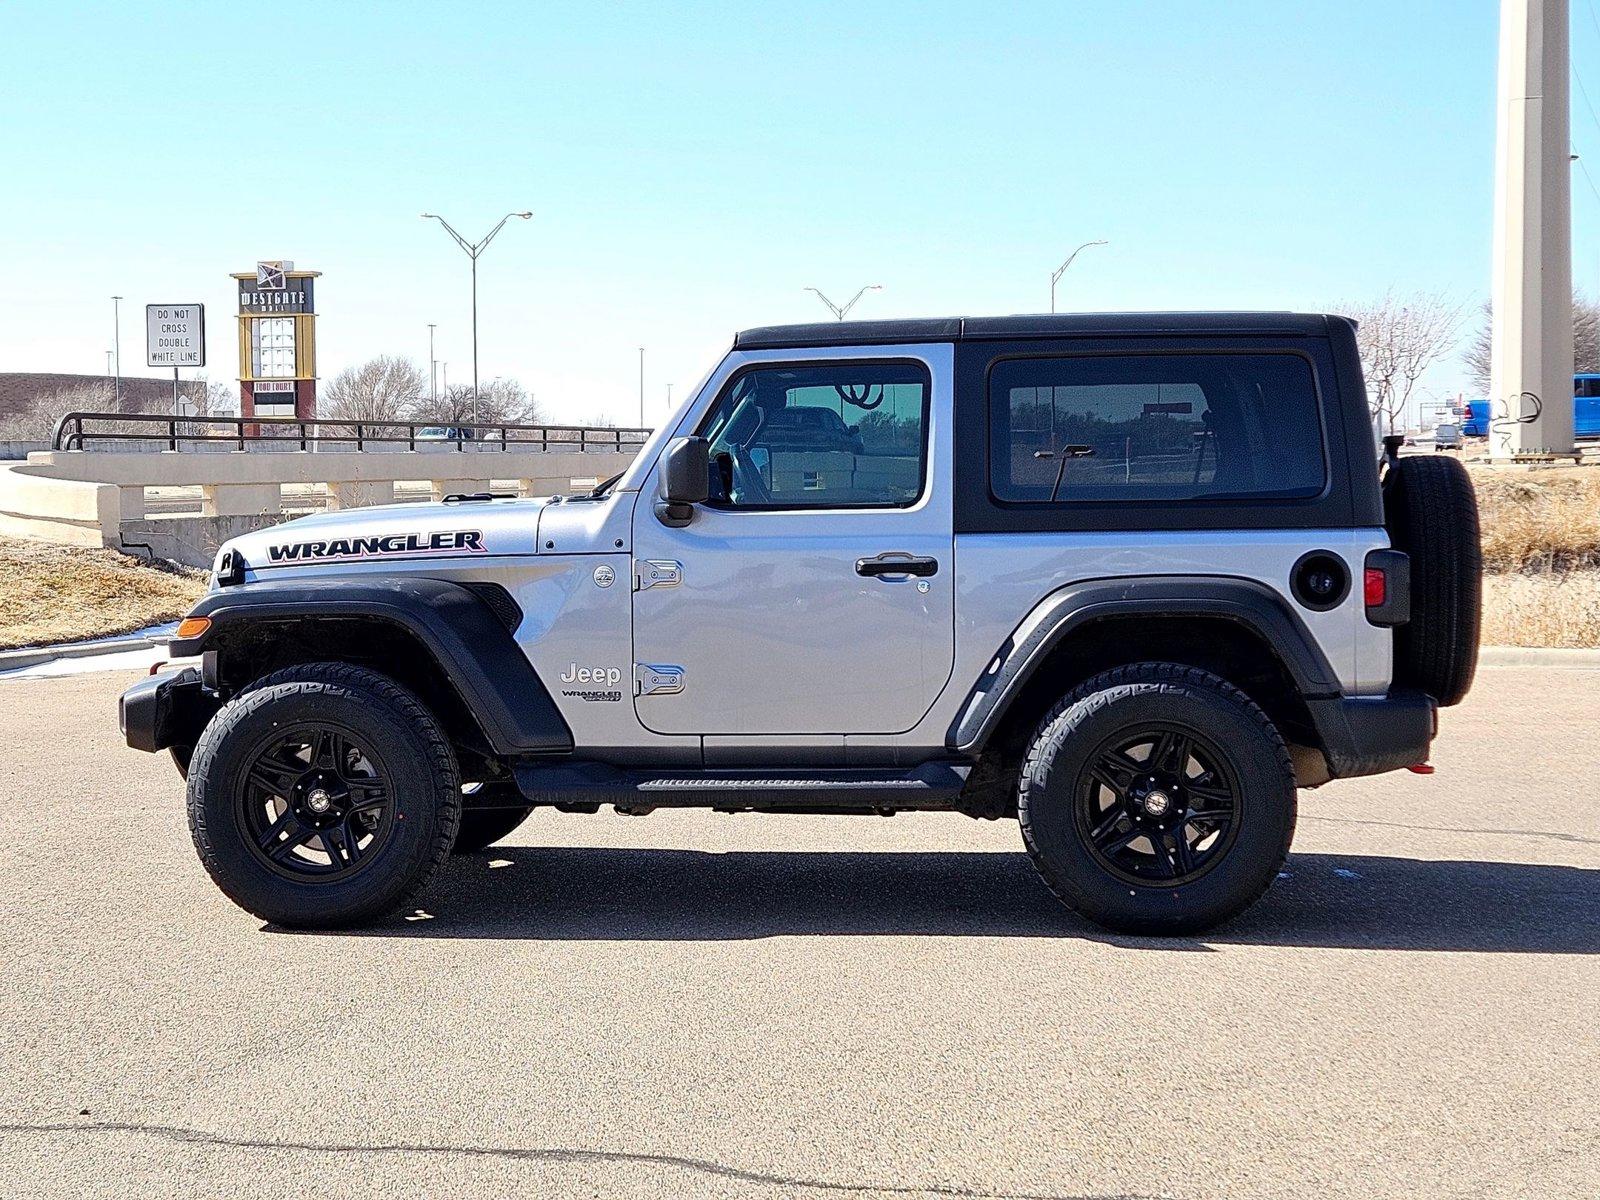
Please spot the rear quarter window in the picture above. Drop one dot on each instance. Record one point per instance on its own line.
(1154, 427)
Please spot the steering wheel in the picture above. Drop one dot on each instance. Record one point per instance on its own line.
(748, 485)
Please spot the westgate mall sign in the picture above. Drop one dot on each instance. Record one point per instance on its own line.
(175, 335)
(293, 297)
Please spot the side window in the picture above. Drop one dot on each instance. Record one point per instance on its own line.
(1154, 427)
(825, 435)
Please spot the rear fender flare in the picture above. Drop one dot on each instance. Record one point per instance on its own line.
(1059, 614)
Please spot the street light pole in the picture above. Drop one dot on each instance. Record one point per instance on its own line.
(1055, 277)
(116, 323)
(433, 368)
(841, 312)
(641, 387)
(473, 250)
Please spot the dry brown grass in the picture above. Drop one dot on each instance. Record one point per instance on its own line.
(1541, 556)
(1539, 520)
(51, 593)
(1550, 608)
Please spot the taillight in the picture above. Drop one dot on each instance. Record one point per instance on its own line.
(1386, 587)
(1375, 587)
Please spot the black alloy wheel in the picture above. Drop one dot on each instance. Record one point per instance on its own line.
(1158, 805)
(316, 804)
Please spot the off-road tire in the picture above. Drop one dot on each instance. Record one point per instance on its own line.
(425, 784)
(1432, 514)
(1119, 700)
(483, 827)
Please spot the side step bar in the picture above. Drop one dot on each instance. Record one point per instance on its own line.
(584, 786)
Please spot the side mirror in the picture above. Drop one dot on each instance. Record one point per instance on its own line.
(685, 480)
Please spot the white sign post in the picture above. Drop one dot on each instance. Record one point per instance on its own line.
(175, 336)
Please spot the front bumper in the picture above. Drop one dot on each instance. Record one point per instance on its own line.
(1369, 735)
(165, 710)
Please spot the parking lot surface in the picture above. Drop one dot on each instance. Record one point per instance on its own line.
(694, 1005)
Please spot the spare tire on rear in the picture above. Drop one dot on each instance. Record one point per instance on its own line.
(1432, 514)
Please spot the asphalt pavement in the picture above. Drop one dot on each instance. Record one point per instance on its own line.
(695, 1005)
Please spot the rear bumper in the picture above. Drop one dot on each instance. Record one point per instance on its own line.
(1370, 735)
(164, 710)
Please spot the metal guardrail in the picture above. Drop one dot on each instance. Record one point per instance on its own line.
(77, 430)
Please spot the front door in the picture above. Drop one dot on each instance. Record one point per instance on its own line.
(813, 593)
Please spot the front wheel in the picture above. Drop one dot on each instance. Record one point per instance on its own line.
(1157, 799)
(325, 795)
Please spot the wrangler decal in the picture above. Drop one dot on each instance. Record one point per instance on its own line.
(455, 541)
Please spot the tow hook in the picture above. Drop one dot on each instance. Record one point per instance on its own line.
(1421, 768)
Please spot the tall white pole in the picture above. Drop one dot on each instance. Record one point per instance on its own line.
(1531, 376)
(116, 319)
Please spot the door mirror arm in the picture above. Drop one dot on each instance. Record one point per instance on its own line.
(685, 480)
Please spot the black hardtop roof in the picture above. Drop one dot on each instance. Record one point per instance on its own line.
(1030, 325)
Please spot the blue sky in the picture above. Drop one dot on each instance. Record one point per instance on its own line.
(693, 166)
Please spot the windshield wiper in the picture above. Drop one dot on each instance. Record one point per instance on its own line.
(605, 485)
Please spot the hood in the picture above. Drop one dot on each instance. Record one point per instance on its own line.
(394, 532)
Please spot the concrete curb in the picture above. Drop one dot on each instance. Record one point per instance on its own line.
(33, 656)
(1539, 656)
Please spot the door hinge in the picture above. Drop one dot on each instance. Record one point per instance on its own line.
(656, 572)
(656, 679)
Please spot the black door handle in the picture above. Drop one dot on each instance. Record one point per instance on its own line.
(886, 564)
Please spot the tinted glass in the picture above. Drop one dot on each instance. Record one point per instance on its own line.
(1154, 427)
(835, 435)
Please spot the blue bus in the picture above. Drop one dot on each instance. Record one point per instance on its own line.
(1585, 410)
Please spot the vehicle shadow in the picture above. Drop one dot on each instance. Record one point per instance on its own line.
(1328, 900)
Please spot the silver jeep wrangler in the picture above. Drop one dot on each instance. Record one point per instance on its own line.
(1130, 579)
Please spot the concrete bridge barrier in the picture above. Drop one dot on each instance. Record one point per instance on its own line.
(99, 498)
(11, 450)
(71, 511)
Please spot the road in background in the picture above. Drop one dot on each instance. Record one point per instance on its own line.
(695, 1005)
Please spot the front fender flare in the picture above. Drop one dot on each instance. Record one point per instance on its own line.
(477, 654)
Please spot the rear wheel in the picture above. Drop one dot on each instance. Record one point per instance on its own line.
(325, 795)
(1157, 798)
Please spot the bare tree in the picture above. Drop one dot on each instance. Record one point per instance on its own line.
(207, 398)
(1479, 356)
(38, 420)
(499, 402)
(385, 388)
(1400, 337)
